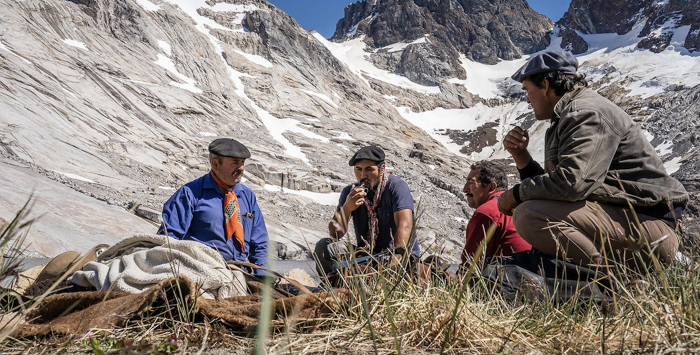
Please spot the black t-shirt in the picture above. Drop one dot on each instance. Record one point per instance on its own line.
(396, 197)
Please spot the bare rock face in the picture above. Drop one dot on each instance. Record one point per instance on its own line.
(572, 42)
(451, 96)
(481, 30)
(118, 100)
(603, 16)
(656, 21)
(428, 64)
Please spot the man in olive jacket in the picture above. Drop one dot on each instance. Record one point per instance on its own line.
(597, 163)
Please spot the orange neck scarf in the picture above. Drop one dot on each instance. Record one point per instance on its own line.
(232, 212)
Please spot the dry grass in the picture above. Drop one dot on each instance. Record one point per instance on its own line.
(654, 313)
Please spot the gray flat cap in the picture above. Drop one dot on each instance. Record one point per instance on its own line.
(228, 147)
(371, 152)
(547, 61)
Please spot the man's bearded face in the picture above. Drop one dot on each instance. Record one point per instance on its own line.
(368, 173)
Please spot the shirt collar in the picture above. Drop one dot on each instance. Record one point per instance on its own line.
(209, 183)
(495, 195)
(565, 101)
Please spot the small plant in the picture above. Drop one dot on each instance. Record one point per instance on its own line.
(127, 346)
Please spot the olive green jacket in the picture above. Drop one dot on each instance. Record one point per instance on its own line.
(595, 151)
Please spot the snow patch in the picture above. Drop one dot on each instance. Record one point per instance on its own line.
(644, 72)
(168, 188)
(168, 65)
(322, 96)
(275, 125)
(402, 45)
(328, 199)
(665, 148)
(77, 177)
(342, 135)
(484, 79)
(165, 46)
(69, 93)
(147, 5)
(207, 134)
(260, 60)
(2, 47)
(672, 165)
(352, 54)
(438, 121)
(648, 135)
(74, 43)
(226, 7)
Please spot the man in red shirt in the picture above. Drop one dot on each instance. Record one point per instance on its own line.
(485, 182)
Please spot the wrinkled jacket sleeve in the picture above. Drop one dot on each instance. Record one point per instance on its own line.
(258, 239)
(177, 213)
(586, 147)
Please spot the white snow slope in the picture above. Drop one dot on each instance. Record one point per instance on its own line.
(642, 72)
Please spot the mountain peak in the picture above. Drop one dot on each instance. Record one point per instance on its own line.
(655, 21)
(483, 30)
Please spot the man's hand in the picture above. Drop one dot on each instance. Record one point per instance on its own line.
(355, 199)
(516, 142)
(507, 203)
(339, 224)
(336, 228)
(395, 260)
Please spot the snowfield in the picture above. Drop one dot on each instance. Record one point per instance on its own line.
(611, 56)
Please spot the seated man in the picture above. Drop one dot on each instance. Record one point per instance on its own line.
(383, 215)
(218, 211)
(597, 163)
(485, 183)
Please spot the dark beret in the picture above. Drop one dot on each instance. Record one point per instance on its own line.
(371, 152)
(547, 61)
(227, 147)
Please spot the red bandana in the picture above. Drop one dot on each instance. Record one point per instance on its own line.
(372, 209)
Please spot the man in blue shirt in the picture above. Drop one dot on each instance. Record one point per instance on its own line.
(218, 211)
(381, 207)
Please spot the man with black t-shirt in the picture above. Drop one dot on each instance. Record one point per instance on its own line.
(381, 208)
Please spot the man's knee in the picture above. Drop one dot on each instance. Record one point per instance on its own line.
(321, 249)
(524, 217)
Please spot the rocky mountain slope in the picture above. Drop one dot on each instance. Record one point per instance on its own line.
(658, 21)
(119, 99)
(435, 33)
(640, 54)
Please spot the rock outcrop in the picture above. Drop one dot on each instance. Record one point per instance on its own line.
(481, 30)
(656, 22)
(119, 100)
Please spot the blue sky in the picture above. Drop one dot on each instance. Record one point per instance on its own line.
(322, 15)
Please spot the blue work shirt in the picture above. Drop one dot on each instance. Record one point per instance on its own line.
(395, 197)
(195, 212)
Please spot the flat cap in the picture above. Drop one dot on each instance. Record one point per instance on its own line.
(547, 61)
(371, 152)
(227, 147)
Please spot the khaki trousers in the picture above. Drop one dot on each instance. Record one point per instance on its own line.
(589, 233)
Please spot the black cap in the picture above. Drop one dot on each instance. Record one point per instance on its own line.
(547, 61)
(371, 152)
(227, 147)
